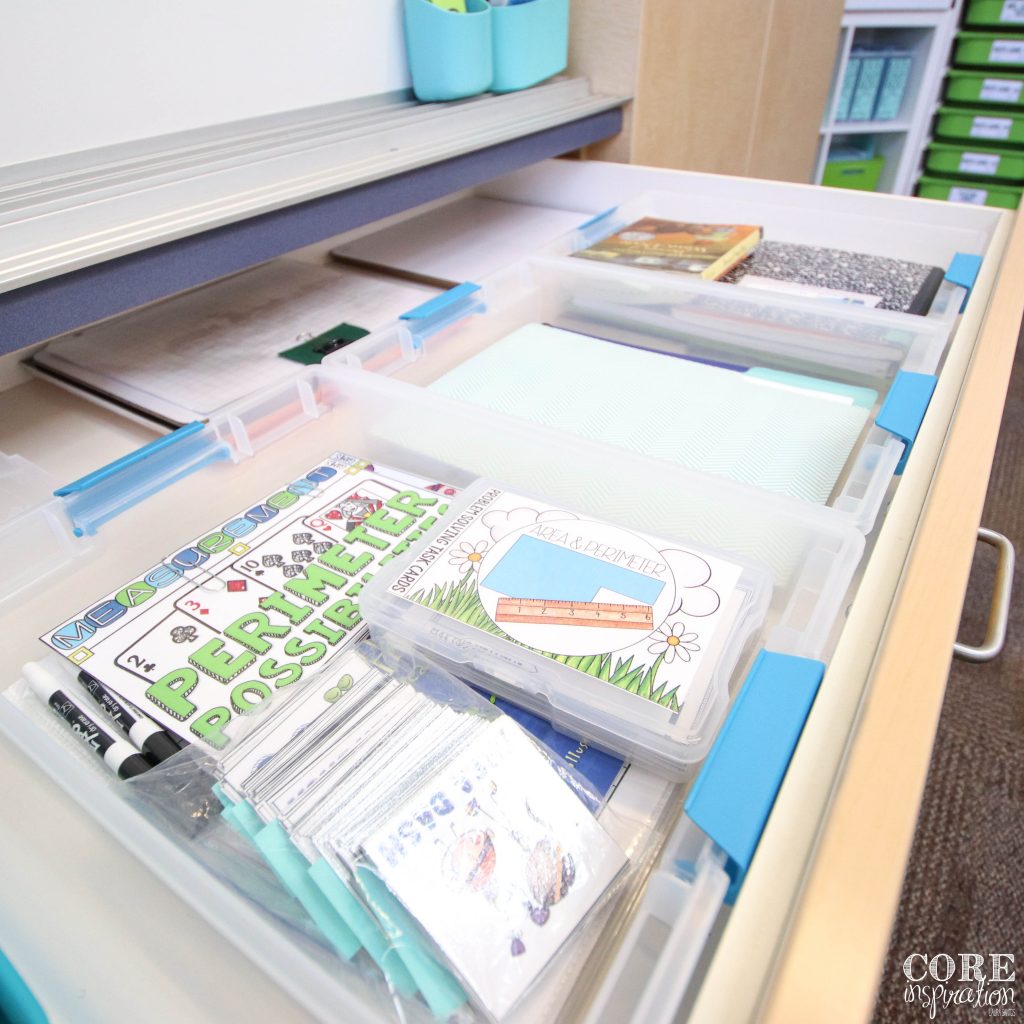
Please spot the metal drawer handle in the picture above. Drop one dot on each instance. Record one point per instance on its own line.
(995, 634)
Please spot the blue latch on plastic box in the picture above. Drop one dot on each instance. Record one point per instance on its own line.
(431, 316)
(736, 788)
(904, 408)
(601, 225)
(963, 270)
(597, 216)
(99, 496)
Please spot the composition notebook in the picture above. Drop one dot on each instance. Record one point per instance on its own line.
(878, 281)
(783, 433)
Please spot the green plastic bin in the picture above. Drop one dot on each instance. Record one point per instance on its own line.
(995, 13)
(975, 162)
(859, 174)
(1003, 90)
(979, 193)
(990, 50)
(996, 126)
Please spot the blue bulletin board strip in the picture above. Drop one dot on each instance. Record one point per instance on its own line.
(63, 303)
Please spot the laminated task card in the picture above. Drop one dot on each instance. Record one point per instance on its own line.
(785, 433)
(498, 861)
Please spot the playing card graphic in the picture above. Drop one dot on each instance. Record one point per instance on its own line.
(219, 607)
(351, 510)
(164, 646)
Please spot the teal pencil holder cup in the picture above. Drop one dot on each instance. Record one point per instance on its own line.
(531, 43)
(450, 54)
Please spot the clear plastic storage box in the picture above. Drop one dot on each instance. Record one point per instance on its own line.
(631, 687)
(809, 554)
(634, 961)
(813, 221)
(763, 354)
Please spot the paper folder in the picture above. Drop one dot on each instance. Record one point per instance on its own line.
(793, 439)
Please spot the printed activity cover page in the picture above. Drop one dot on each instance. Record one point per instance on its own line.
(257, 603)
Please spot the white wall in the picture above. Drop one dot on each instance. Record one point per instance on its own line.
(76, 74)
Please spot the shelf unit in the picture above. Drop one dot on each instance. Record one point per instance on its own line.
(926, 29)
(976, 152)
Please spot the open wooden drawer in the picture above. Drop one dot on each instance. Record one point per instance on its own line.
(811, 923)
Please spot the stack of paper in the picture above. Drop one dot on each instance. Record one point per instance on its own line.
(184, 358)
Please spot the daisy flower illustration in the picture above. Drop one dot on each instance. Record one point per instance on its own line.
(467, 557)
(674, 643)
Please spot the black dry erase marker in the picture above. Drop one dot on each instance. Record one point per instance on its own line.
(153, 741)
(118, 755)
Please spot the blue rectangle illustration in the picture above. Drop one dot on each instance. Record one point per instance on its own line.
(534, 568)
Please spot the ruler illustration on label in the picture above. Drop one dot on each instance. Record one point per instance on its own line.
(575, 613)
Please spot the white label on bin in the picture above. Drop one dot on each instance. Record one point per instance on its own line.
(1007, 51)
(979, 163)
(1013, 10)
(1001, 90)
(968, 195)
(991, 128)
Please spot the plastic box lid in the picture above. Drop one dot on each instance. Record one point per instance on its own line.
(443, 597)
(607, 682)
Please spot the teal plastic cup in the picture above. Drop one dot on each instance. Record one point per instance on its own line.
(531, 43)
(450, 53)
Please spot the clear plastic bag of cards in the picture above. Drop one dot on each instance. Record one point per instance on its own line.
(409, 849)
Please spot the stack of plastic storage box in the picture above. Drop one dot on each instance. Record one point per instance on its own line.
(977, 155)
(424, 394)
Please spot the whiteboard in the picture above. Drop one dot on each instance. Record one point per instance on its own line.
(81, 75)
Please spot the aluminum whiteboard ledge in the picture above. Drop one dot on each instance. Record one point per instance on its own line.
(125, 198)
